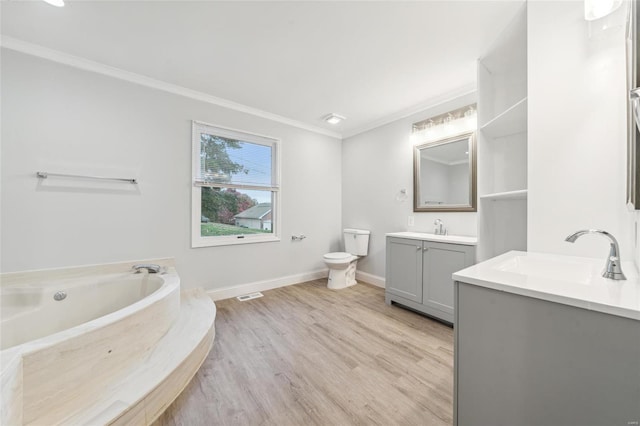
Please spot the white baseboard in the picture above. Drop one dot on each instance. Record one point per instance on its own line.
(370, 279)
(239, 290)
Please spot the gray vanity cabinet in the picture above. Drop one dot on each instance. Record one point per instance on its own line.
(522, 361)
(404, 269)
(419, 274)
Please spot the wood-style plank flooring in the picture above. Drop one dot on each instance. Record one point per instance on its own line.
(307, 355)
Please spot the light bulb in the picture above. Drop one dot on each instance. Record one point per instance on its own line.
(469, 112)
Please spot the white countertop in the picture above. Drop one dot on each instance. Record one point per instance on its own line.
(423, 236)
(574, 281)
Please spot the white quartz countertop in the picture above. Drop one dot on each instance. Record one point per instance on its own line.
(451, 239)
(574, 281)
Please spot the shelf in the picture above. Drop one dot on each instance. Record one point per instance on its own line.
(503, 196)
(511, 121)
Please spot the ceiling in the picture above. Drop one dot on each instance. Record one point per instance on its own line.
(368, 61)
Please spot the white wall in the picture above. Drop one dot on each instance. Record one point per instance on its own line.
(577, 133)
(458, 183)
(376, 165)
(60, 119)
(443, 183)
(434, 182)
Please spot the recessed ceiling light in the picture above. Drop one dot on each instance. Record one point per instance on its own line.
(57, 3)
(333, 118)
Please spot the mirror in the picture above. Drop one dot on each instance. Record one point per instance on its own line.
(444, 175)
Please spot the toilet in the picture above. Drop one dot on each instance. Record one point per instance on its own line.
(342, 265)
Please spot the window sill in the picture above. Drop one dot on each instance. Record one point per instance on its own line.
(229, 241)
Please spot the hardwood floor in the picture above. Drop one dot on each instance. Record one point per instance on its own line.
(307, 355)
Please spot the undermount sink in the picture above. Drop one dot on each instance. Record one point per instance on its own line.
(543, 267)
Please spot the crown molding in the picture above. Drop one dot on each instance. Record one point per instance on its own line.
(78, 62)
(467, 89)
(131, 77)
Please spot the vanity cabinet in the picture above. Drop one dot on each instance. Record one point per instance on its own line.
(525, 361)
(535, 347)
(419, 272)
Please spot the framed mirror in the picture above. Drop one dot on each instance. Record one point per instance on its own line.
(444, 175)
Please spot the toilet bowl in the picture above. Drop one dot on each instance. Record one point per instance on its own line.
(342, 269)
(342, 265)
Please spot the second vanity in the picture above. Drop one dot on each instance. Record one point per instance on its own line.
(544, 339)
(419, 268)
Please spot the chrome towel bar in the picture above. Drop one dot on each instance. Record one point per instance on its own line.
(44, 175)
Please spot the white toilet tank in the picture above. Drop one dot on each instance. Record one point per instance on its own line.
(356, 241)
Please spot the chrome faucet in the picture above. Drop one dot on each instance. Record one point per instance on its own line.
(612, 269)
(151, 268)
(439, 229)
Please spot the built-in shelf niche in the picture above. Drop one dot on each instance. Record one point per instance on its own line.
(503, 164)
(501, 69)
(502, 142)
(503, 226)
(509, 122)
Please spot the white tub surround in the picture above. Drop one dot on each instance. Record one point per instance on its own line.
(424, 236)
(142, 396)
(31, 311)
(569, 280)
(110, 325)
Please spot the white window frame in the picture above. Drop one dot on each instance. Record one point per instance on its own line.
(196, 187)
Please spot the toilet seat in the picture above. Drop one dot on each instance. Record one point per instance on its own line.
(338, 255)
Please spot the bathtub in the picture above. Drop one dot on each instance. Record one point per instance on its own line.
(56, 355)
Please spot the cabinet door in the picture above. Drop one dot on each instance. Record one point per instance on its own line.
(440, 261)
(404, 268)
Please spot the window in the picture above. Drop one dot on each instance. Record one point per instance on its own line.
(235, 187)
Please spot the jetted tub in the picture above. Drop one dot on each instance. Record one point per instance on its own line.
(57, 354)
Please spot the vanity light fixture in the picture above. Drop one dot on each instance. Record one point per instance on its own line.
(470, 112)
(596, 9)
(445, 125)
(333, 118)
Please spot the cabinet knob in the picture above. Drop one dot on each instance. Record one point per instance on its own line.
(425, 249)
(418, 248)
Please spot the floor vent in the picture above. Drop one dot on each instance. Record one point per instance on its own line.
(249, 296)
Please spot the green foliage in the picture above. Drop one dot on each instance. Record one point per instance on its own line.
(215, 163)
(216, 229)
(220, 205)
